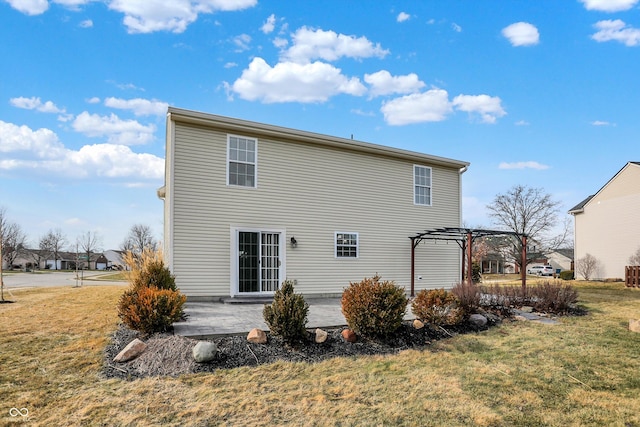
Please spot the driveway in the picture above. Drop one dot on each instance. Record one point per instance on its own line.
(42, 279)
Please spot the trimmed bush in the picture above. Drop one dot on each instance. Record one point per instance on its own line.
(287, 315)
(150, 310)
(468, 295)
(374, 308)
(152, 303)
(476, 273)
(566, 275)
(437, 307)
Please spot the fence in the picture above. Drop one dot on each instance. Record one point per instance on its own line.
(632, 276)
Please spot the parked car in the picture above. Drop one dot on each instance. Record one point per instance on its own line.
(540, 270)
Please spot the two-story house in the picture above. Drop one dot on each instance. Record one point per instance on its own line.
(247, 205)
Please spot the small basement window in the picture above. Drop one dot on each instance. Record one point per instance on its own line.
(346, 245)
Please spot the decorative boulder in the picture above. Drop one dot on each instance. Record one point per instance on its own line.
(131, 351)
(478, 320)
(634, 325)
(349, 336)
(204, 351)
(417, 324)
(257, 336)
(321, 336)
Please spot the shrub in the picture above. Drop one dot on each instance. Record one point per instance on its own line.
(287, 315)
(147, 269)
(150, 310)
(553, 297)
(566, 275)
(476, 273)
(152, 303)
(373, 308)
(468, 295)
(437, 307)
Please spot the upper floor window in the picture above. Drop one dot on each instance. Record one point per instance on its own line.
(422, 185)
(346, 245)
(241, 161)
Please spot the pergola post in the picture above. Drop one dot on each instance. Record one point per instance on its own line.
(413, 266)
(469, 255)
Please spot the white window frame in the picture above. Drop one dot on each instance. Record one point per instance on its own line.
(430, 186)
(254, 163)
(357, 245)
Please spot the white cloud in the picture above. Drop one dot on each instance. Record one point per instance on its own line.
(521, 34)
(293, 82)
(457, 28)
(383, 83)
(616, 30)
(311, 44)
(601, 123)
(30, 7)
(280, 43)
(522, 123)
(609, 5)
(147, 16)
(402, 16)
(430, 106)
(242, 42)
(139, 106)
(523, 165)
(117, 131)
(87, 23)
(230, 65)
(35, 103)
(489, 107)
(94, 100)
(41, 150)
(269, 25)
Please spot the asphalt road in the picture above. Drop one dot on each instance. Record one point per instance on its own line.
(16, 280)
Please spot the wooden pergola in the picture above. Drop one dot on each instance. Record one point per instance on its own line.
(464, 237)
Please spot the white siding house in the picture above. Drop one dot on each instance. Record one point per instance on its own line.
(247, 205)
(607, 225)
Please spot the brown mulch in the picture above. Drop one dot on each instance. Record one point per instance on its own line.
(171, 355)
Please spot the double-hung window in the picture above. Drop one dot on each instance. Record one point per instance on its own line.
(346, 245)
(422, 185)
(241, 161)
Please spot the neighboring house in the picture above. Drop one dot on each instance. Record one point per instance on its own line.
(114, 259)
(606, 223)
(248, 205)
(561, 259)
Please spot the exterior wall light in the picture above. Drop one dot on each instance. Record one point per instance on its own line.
(294, 242)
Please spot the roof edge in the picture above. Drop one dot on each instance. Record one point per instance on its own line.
(238, 125)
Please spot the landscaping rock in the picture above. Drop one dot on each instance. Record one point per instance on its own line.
(131, 351)
(520, 318)
(417, 324)
(257, 336)
(204, 351)
(478, 320)
(349, 336)
(526, 309)
(634, 325)
(321, 336)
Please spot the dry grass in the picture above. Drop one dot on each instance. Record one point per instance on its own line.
(581, 372)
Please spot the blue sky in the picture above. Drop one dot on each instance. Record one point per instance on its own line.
(542, 93)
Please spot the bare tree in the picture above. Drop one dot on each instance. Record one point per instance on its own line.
(635, 258)
(140, 237)
(587, 266)
(89, 243)
(532, 212)
(11, 243)
(53, 242)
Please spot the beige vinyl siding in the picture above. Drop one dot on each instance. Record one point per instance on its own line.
(609, 228)
(311, 191)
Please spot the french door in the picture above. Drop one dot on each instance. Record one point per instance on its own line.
(258, 262)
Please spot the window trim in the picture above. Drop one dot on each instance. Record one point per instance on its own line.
(357, 245)
(254, 163)
(430, 186)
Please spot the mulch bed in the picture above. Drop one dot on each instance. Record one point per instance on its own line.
(171, 355)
